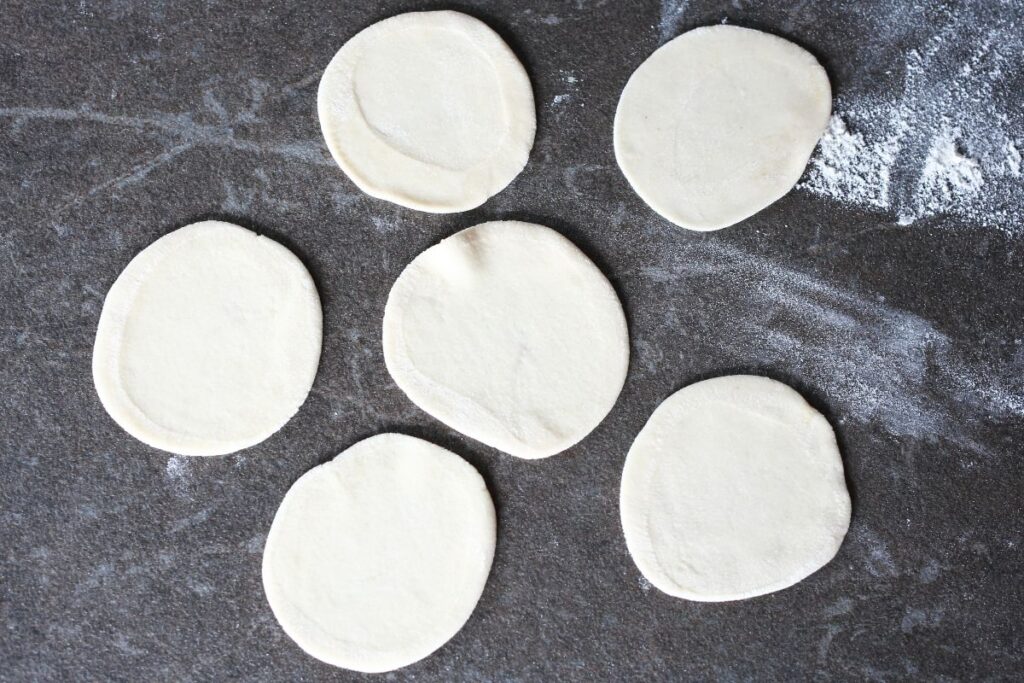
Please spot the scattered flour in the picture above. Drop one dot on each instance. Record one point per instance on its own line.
(939, 133)
(571, 86)
(944, 141)
(1013, 159)
(255, 544)
(177, 473)
(848, 167)
(949, 177)
(670, 18)
(876, 364)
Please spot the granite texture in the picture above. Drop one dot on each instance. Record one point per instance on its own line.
(120, 121)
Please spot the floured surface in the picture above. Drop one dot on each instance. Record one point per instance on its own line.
(510, 334)
(734, 488)
(209, 340)
(719, 123)
(906, 337)
(376, 558)
(430, 110)
(946, 138)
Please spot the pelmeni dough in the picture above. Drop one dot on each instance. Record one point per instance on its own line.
(208, 341)
(734, 488)
(511, 335)
(719, 123)
(430, 110)
(378, 557)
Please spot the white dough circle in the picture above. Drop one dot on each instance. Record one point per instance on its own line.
(719, 123)
(208, 341)
(430, 110)
(734, 488)
(378, 557)
(509, 334)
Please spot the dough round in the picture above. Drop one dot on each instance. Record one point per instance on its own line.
(734, 488)
(430, 110)
(208, 341)
(719, 123)
(378, 557)
(511, 335)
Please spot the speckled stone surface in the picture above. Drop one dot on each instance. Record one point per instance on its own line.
(120, 121)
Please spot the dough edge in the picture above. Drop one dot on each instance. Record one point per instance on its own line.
(380, 440)
(116, 307)
(656, 205)
(397, 362)
(633, 519)
(512, 75)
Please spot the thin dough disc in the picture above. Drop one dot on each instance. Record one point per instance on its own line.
(430, 110)
(510, 334)
(378, 557)
(719, 123)
(734, 488)
(208, 341)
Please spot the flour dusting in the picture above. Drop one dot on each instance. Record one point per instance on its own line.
(945, 140)
(671, 18)
(1013, 159)
(876, 364)
(949, 177)
(177, 473)
(849, 167)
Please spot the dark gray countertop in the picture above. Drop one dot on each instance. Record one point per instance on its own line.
(120, 121)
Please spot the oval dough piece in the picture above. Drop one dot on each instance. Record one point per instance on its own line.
(719, 123)
(208, 341)
(734, 488)
(430, 110)
(378, 557)
(511, 335)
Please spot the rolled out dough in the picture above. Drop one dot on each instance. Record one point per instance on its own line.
(430, 110)
(719, 123)
(734, 488)
(378, 557)
(208, 341)
(511, 335)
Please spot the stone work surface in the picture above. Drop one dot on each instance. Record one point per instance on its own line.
(887, 288)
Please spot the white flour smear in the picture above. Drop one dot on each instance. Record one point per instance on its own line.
(177, 473)
(848, 167)
(948, 142)
(949, 177)
(874, 363)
